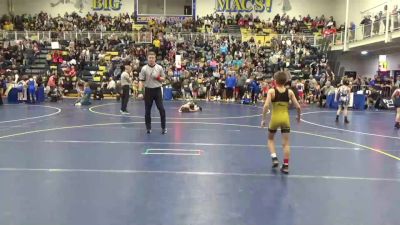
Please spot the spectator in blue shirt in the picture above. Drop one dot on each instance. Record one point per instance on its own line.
(32, 90)
(238, 63)
(230, 87)
(224, 49)
(255, 90)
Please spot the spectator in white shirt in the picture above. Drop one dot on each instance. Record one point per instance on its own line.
(111, 86)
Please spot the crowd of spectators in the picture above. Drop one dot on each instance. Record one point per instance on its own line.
(18, 57)
(214, 68)
(373, 23)
(67, 22)
(221, 69)
(217, 23)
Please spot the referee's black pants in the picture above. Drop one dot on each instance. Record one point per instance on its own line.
(150, 95)
(124, 97)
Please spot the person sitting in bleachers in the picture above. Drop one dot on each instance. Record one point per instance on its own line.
(84, 95)
(111, 86)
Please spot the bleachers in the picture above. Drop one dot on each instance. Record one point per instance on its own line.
(264, 37)
(137, 26)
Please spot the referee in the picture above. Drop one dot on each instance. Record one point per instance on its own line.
(151, 77)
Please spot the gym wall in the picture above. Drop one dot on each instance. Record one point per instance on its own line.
(368, 65)
(335, 8)
(55, 7)
(3, 7)
(357, 6)
(293, 8)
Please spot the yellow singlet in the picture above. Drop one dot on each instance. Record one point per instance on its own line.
(280, 112)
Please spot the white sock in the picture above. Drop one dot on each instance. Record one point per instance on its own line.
(273, 155)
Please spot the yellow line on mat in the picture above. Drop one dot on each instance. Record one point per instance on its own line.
(350, 142)
(222, 124)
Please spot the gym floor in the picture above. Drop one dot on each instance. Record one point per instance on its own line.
(61, 164)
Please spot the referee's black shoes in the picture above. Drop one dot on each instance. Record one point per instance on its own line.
(164, 131)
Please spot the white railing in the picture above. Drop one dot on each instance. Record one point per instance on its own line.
(313, 40)
(189, 36)
(138, 37)
(363, 32)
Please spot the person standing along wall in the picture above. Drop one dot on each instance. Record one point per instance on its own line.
(396, 99)
(126, 81)
(32, 90)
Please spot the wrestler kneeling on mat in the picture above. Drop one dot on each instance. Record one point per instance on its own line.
(279, 97)
(190, 107)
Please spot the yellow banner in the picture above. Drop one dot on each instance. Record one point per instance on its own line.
(243, 5)
(106, 5)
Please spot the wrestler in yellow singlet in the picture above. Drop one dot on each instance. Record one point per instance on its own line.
(279, 98)
(280, 112)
